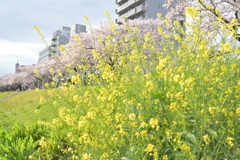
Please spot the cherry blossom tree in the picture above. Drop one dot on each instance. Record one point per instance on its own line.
(107, 41)
(227, 12)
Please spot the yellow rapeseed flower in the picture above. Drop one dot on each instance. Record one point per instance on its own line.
(104, 156)
(147, 36)
(238, 111)
(159, 15)
(51, 70)
(150, 85)
(86, 18)
(153, 122)
(206, 139)
(36, 72)
(160, 30)
(162, 64)
(234, 22)
(148, 76)
(168, 132)
(46, 85)
(144, 124)
(37, 89)
(61, 48)
(150, 148)
(185, 147)
(229, 141)
(36, 111)
(43, 143)
(107, 13)
(165, 157)
(208, 7)
(132, 116)
(75, 79)
(86, 156)
(36, 28)
(31, 157)
(137, 69)
(173, 106)
(144, 133)
(42, 100)
(76, 37)
(193, 12)
(53, 83)
(176, 23)
(118, 117)
(226, 47)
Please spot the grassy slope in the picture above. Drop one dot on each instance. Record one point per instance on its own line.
(5, 94)
(20, 108)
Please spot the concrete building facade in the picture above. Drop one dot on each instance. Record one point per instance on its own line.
(44, 54)
(139, 9)
(60, 37)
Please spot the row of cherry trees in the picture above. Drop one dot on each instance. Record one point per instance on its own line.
(27, 79)
(78, 52)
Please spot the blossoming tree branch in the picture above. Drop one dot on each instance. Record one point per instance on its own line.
(225, 11)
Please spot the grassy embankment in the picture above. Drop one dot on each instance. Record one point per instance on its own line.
(20, 108)
(5, 94)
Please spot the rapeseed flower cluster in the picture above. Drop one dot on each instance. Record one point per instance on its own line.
(193, 12)
(151, 100)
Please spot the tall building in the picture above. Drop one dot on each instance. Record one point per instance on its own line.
(60, 37)
(142, 9)
(77, 28)
(44, 54)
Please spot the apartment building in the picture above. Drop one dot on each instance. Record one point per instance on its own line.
(60, 37)
(142, 9)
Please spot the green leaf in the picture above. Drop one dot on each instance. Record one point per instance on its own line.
(238, 121)
(189, 144)
(214, 133)
(30, 140)
(223, 127)
(188, 114)
(181, 155)
(190, 136)
(22, 145)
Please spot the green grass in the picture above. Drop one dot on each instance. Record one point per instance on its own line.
(5, 94)
(20, 108)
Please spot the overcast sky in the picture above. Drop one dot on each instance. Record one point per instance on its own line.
(18, 40)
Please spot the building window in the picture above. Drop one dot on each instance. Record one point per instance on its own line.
(181, 22)
(159, 6)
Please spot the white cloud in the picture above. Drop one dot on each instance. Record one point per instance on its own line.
(13, 52)
(19, 49)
